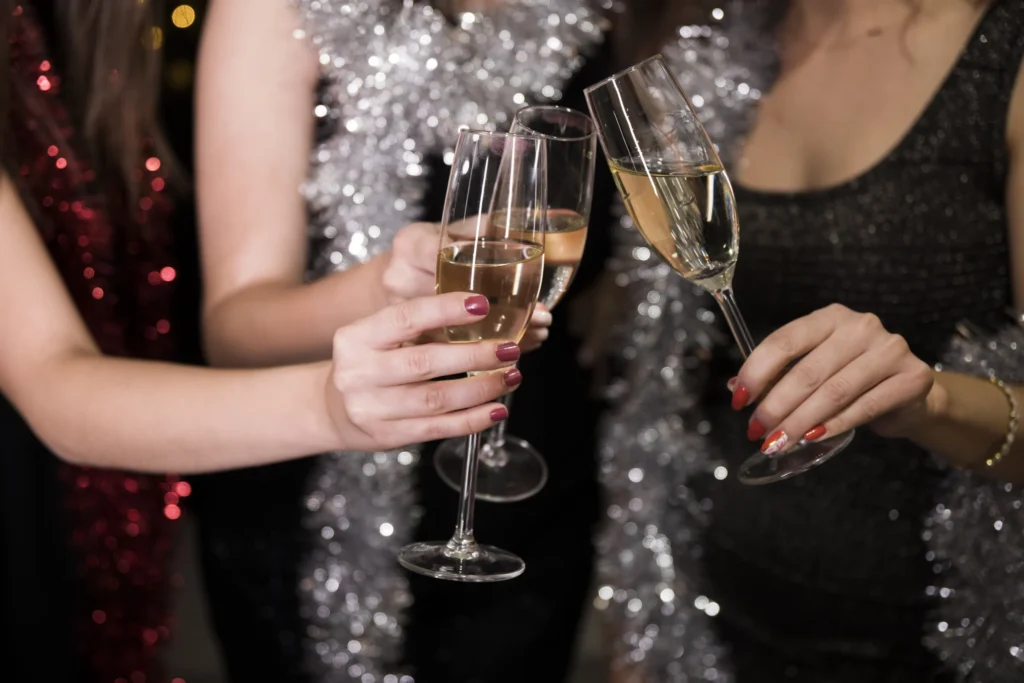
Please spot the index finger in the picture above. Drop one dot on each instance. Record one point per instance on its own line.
(422, 246)
(404, 322)
(781, 348)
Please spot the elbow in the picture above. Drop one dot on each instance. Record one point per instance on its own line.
(217, 346)
(41, 398)
(58, 439)
(69, 454)
(223, 336)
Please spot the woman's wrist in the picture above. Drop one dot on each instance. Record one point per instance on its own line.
(937, 403)
(323, 426)
(917, 421)
(964, 419)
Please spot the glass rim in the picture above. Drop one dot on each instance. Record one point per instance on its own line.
(535, 137)
(616, 76)
(591, 126)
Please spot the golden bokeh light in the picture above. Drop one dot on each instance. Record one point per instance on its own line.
(183, 16)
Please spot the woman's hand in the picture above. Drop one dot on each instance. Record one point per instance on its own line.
(381, 396)
(411, 268)
(849, 371)
(411, 272)
(537, 332)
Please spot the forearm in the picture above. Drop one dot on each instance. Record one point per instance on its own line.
(156, 417)
(966, 423)
(273, 324)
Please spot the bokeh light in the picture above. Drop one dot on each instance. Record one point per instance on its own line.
(183, 16)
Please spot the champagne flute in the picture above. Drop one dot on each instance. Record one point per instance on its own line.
(680, 199)
(492, 243)
(510, 468)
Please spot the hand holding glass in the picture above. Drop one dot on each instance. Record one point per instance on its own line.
(680, 199)
(492, 243)
(510, 468)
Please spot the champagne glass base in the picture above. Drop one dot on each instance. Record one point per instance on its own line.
(762, 469)
(471, 564)
(510, 473)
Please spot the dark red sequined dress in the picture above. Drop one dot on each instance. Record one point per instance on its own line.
(113, 532)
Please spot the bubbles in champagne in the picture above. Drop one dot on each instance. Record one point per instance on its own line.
(565, 236)
(507, 272)
(688, 214)
(564, 240)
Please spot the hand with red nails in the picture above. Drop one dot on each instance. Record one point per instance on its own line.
(411, 272)
(847, 371)
(380, 393)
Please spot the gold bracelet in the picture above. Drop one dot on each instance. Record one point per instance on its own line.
(1011, 429)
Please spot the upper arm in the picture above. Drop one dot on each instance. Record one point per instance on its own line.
(1015, 190)
(254, 132)
(40, 321)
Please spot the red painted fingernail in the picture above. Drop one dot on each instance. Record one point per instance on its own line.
(731, 384)
(499, 414)
(478, 305)
(507, 352)
(815, 433)
(740, 397)
(755, 430)
(775, 443)
(513, 377)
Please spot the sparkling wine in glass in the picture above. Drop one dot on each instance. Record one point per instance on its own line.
(680, 199)
(511, 469)
(492, 243)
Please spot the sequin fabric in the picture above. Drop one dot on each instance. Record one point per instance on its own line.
(123, 526)
(824, 578)
(975, 542)
(654, 438)
(399, 79)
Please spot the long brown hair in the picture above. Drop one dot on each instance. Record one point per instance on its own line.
(111, 80)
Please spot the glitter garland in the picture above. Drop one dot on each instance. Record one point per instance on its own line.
(648, 566)
(399, 80)
(123, 526)
(976, 543)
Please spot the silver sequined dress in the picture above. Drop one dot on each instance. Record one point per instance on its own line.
(840, 575)
(399, 80)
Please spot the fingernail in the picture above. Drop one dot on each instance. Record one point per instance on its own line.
(499, 414)
(815, 433)
(731, 384)
(478, 305)
(507, 351)
(775, 443)
(513, 377)
(755, 430)
(740, 397)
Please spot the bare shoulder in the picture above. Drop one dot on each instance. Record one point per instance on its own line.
(257, 36)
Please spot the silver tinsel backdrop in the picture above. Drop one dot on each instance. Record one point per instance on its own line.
(655, 437)
(400, 79)
(976, 542)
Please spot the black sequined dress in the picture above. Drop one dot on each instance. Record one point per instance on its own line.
(824, 577)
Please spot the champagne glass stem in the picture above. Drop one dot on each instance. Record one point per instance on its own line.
(727, 302)
(496, 437)
(463, 543)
